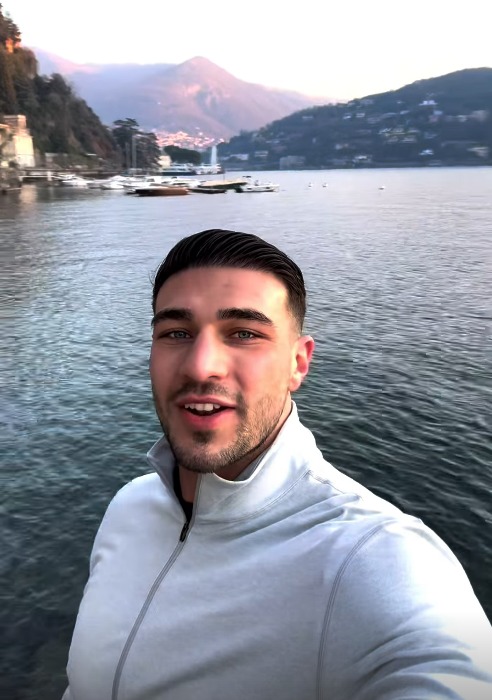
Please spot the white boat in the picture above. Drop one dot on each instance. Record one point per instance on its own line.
(112, 185)
(117, 182)
(74, 181)
(179, 169)
(259, 186)
(152, 181)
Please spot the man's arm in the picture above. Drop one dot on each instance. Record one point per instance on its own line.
(405, 624)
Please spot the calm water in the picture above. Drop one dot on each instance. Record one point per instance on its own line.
(400, 395)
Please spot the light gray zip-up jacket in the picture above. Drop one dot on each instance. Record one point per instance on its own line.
(294, 584)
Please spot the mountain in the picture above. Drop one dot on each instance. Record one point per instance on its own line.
(194, 96)
(446, 120)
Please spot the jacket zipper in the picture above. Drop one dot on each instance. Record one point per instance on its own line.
(184, 531)
(150, 596)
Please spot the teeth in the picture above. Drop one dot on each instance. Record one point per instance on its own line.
(203, 406)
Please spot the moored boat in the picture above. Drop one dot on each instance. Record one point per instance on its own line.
(220, 185)
(259, 186)
(161, 191)
(200, 189)
(73, 181)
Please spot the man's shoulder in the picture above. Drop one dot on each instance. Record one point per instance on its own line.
(137, 493)
(144, 484)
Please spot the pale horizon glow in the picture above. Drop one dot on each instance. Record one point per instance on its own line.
(340, 52)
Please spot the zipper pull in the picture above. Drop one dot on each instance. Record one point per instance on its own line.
(184, 531)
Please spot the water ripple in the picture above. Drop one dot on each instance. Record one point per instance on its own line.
(399, 396)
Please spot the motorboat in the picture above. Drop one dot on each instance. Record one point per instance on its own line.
(209, 169)
(218, 186)
(113, 183)
(73, 181)
(152, 181)
(201, 189)
(161, 191)
(179, 169)
(259, 186)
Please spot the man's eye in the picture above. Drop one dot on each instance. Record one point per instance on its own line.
(245, 335)
(175, 335)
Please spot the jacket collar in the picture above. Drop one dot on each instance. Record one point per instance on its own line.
(220, 500)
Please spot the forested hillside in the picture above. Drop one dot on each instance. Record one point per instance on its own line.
(439, 121)
(59, 121)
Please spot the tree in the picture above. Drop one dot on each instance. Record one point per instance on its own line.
(139, 149)
(8, 99)
(183, 155)
(148, 151)
(8, 30)
(124, 132)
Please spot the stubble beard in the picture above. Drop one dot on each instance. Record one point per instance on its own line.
(251, 434)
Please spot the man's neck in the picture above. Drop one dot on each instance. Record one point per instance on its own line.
(188, 481)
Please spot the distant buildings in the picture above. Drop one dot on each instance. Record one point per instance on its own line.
(198, 141)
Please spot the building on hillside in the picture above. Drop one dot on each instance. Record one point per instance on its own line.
(16, 142)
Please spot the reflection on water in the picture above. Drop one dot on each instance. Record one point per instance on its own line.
(399, 395)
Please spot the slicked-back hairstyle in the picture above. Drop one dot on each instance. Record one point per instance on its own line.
(222, 248)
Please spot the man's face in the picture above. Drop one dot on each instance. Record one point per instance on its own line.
(225, 357)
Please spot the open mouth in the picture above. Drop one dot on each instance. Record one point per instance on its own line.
(204, 409)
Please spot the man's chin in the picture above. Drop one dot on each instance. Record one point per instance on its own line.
(199, 468)
(199, 458)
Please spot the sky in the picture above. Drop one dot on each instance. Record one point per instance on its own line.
(337, 50)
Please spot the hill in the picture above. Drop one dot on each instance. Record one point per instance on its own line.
(59, 121)
(194, 96)
(445, 120)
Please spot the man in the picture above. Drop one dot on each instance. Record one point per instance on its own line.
(247, 567)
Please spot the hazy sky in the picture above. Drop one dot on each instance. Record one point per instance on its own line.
(329, 49)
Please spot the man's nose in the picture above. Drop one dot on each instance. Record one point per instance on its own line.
(206, 358)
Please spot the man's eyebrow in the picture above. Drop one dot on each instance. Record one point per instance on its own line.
(229, 314)
(234, 313)
(172, 314)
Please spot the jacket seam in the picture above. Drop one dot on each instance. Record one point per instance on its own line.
(331, 599)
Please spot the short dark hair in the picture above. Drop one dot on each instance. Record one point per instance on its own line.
(222, 248)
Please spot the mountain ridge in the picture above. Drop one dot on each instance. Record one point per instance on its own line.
(194, 96)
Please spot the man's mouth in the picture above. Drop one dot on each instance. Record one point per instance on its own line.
(204, 409)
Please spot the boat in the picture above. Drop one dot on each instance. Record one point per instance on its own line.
(259, 186)
(73, 181)
(161, 191)
(216, 169)
(200, 189)
(113, 183)
(218, 185)
(153, 181)
(179, 169)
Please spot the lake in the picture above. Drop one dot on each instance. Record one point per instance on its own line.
(399, 397)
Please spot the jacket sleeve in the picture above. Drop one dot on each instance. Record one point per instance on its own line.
(403, 623)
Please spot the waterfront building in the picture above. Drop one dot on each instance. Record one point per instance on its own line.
(16, 142)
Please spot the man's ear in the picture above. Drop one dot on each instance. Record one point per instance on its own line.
(301, 358)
